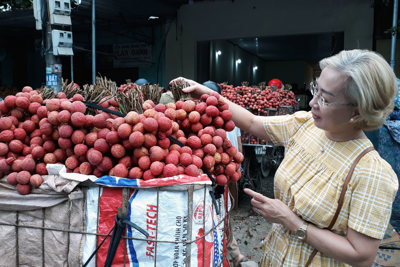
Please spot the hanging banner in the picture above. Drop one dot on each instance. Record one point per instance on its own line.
(131, 55)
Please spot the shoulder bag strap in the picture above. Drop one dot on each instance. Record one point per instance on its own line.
(341, 198)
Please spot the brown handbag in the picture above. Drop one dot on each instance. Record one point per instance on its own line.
(341, 198)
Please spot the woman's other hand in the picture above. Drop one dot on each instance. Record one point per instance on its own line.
(274, 210)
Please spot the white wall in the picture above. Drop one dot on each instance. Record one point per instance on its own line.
(226, 19)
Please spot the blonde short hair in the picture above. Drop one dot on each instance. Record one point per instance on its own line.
(371, 84)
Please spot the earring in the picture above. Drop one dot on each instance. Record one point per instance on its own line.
(352, 119)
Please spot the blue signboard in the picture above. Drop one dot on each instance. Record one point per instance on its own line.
(51, 79)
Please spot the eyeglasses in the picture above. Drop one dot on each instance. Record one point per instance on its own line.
(321, 100)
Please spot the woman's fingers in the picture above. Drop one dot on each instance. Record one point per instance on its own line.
(257, 211)
(189, 89)
(256, 196)
(193, 88)
(272, 210)
(176, 80)
(191, 82)
(183, 80)
(257, 204)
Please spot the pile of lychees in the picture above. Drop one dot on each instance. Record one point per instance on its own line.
(166, 140)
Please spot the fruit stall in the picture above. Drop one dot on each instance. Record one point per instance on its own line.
(102, 174)
(261, 159)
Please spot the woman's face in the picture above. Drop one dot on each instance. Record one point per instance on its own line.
(332, 114)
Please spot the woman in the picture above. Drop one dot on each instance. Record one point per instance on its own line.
(355, 92)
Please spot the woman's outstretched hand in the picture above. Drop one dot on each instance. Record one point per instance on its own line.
(195, 89)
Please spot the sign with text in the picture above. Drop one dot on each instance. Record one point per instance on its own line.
(51, 79)
(131, 55)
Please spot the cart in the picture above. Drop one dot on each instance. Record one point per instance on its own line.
(261, 159)
(102, 224)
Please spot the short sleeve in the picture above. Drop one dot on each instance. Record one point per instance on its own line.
(373, 191)
(281, 128)
(237, 130)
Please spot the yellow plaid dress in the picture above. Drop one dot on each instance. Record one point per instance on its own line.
(310, 180)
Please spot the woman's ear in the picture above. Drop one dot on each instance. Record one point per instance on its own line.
(355, 117)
